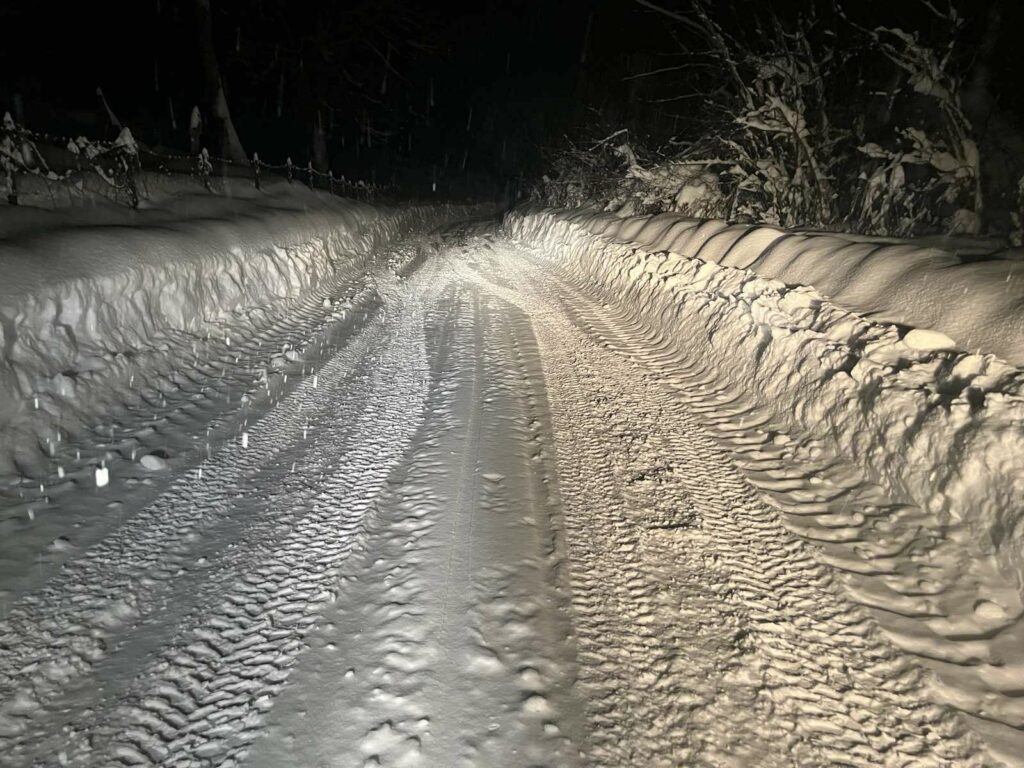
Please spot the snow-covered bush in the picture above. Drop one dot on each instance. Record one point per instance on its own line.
(768, 157)
(948, 194)
(18, 155)
(778, 147)
(581, 175)
(814, 121)
(9, 156)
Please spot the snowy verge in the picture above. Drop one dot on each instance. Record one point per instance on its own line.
(89, 294)
(976, 301)
(938, 428)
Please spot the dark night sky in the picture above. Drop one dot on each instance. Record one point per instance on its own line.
(516, 63)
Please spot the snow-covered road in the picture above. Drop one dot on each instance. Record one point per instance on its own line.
(485, 522)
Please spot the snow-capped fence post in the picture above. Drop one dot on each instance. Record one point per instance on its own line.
(205, 167)
(128, 164)
(11, 184)
(309, 170)
(8, 164)
(195, 130)
(330, 181)
(256, 168)
(289, 170)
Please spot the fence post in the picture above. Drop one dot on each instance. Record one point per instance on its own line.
(8, 163)
(309, 169)
(195, 130)
(75, 150)
(128, 157)
(289, 169)
(256, 168)
(330, 181)
(12, 186)
(205, 168)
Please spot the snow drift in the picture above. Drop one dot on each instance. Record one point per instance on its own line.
(936, 428)
(977, 302)
(945, 427)
(90, 294)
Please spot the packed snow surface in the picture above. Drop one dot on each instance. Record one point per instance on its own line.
(92, 297)
(937, 433)
(529, 495)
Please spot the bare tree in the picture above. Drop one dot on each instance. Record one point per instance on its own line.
(333, 63)
(213, 82)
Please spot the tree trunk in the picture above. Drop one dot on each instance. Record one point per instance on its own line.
(319, 144)
(216, 98)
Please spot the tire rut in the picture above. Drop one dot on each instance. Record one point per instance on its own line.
(814, 667)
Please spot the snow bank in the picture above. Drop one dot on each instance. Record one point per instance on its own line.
(89, 292)
(977, 302)
(935, 427)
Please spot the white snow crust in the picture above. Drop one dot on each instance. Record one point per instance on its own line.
(90, 294)
(977, 302)
(561, 501)
(772, 313)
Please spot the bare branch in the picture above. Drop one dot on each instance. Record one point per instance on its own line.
(696, 27)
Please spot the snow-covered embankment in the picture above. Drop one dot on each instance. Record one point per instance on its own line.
(784, 314)
(783, 320)
(90, 297)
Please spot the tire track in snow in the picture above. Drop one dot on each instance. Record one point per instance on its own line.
(69, 625)
(892, 558)
(706, 632)
(199, 394)
(931, 594)
(820, 677)
(447, 645)
(202, 699)
(96, 602)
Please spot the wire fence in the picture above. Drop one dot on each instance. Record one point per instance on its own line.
(119, 164)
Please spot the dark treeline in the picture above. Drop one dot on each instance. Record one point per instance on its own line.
(817, 112)
(461, 94)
